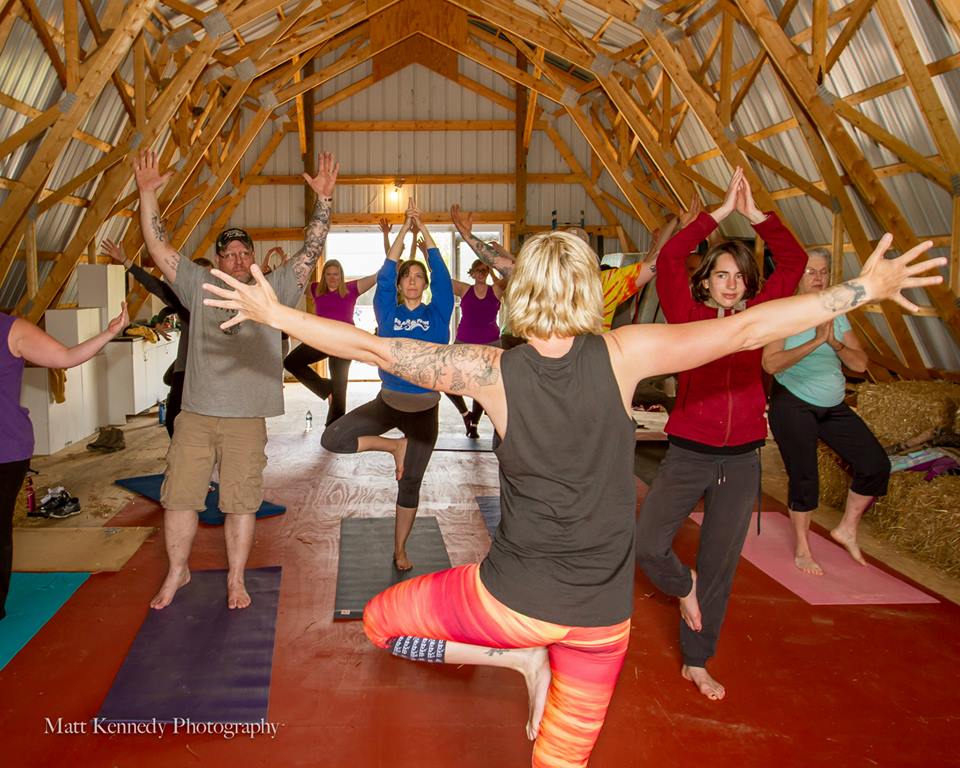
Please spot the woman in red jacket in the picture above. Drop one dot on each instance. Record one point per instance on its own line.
(717, 426)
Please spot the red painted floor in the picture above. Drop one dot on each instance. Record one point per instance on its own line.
(807, 686)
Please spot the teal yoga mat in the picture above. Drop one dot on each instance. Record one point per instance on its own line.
(33, 600)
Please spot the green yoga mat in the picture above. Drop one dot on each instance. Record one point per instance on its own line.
(33, 600)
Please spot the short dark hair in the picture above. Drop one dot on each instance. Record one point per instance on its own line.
(234, 233)
(747, 265)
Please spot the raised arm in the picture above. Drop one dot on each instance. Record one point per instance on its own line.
(640, 351)
(304, 261)
(441, 285)
(149, 179)
(465, 369)
(495, 257)
(364, 284)
(35, 346)
(385, 227)
(154, 285)
(460, 288)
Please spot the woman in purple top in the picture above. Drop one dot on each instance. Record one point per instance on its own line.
(335, 299)
(479, 306)
(21, 341)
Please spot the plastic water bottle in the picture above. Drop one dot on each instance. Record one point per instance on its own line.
(308, 422)
(162, 411)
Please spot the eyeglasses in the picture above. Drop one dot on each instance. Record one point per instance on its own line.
(809, 272)
(240, 256)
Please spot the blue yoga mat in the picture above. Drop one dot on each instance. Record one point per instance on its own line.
(149, 486)
(490, 510)
(198, 660)
(33, 600)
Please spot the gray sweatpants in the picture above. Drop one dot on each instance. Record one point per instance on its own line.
(728, 486)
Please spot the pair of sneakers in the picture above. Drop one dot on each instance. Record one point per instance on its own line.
(57, 504)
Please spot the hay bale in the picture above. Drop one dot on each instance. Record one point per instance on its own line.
(834, 479)
(886, 513)
(900, 410)
(924, 518)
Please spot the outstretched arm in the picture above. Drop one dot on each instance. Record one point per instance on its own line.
(304, 261)
(149, 180)
(364, 284)
(640, 351)
(494, 256)
(35, 346)
(466, 369)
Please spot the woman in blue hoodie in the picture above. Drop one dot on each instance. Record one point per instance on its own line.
(402, 313)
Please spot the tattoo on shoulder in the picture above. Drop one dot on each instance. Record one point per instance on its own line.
(844, 297)
(159, 230)
(463, 367)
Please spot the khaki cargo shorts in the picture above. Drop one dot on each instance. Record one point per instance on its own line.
(201, 442)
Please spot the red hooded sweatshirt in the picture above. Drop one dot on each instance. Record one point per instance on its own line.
(721, 404)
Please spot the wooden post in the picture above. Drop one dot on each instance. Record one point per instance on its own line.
(92, 252)
(836, 261)
(520, 153)
(30, 240)
(309, 144)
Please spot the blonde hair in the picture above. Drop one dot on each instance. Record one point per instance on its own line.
(322, 287)
(555, 288)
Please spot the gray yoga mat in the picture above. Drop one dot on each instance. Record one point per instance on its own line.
(366, 559)
(462, 443)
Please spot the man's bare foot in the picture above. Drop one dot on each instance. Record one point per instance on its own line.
(807, 564)
(237, 596)
(536, 673)
(173, 582)
(401, 562)
(690, 607)
(849, 541)
(705, 684)
(399, 453)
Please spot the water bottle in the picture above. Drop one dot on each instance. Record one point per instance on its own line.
(162, 411)
(308, 422)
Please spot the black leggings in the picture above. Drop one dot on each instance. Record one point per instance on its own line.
(796, 425)
(375, 418)
(298, 363)
(11, 478)
(175, 380)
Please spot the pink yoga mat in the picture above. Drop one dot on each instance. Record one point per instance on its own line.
(844, 582)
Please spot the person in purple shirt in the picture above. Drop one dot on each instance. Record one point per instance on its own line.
(20, 342)
(479, 307)
(335, 299)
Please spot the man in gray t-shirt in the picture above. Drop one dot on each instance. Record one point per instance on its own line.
(233, 382)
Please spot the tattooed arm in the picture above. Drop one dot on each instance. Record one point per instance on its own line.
(149, 180)
(304, 261)
(465, 369)
(493, 255)
(639, 351)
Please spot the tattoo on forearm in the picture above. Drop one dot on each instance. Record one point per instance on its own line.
(489, 255)
(497, 651)
(305, 260)
(844, 297)
(159, 231)
(462, 366)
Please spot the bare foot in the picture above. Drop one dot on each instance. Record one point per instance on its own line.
(237, 596)
(536, 673)
(401, 562)
(690, 607)
(705, 684)
(849, 541)
(807, 564)
(399, 453)
(173, 582)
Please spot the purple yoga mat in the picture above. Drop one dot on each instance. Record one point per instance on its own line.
(198, 660)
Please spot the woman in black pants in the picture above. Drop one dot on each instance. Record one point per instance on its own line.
(806, 404)
(402, 313)
(333, 298)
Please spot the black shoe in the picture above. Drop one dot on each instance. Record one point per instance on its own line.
(70, 508)
(467, 422)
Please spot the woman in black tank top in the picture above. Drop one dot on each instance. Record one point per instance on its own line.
(553, 598)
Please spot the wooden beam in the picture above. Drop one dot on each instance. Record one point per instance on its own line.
(419, 126)
(139, 79)
(847, 33)
(30, 241)
(726, 66)
(417, 179)
(818, 41)
(519, 149)
(39, 25)
(103, 63)
(71, 43)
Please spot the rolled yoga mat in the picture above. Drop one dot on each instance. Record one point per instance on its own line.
(32, 601)
(149, 486)
(366, 559)
(198, 660)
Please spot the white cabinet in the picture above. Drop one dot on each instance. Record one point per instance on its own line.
(135, 371)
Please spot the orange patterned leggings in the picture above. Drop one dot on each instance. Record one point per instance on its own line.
(453, 605)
